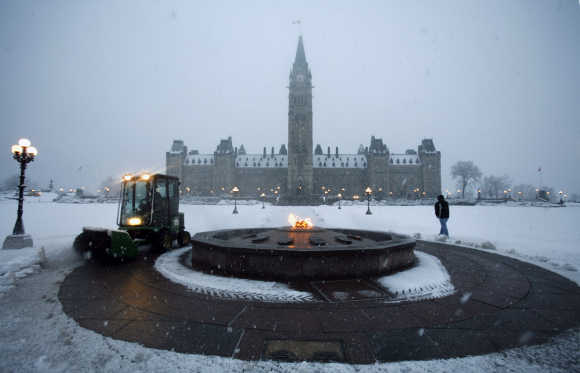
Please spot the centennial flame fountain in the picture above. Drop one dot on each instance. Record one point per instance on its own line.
(301, 251)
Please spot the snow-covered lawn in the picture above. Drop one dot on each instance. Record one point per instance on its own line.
(35, 335)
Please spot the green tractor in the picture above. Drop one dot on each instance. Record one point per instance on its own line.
(148, 213)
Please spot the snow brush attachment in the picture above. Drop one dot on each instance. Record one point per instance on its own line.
(105, 244)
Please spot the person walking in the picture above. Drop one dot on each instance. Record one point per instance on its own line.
(442, 212)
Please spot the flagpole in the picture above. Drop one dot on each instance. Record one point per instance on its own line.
(299, 23)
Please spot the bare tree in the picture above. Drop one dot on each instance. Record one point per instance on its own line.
(10, 183)
(494, 186)
(467, 173)
(114, 186)
(527, 192)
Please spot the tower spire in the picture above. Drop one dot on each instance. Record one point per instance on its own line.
(300, 55)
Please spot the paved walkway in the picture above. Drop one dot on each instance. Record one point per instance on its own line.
(500, 303)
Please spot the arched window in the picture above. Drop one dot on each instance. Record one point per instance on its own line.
(391, 160)
(398, 161)
(404, 160)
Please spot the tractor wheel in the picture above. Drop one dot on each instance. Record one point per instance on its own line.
(82, 243)
(100, 249)
(183, 238)
(164, 241)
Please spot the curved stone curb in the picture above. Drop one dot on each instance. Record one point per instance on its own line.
(500, 303)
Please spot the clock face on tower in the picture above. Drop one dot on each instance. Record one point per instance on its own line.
(300, 77)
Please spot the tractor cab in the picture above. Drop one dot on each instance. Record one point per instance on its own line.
(149, 209)
(149, 202)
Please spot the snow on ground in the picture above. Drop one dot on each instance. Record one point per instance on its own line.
(428, 279)
(169, 265)
(35, 335)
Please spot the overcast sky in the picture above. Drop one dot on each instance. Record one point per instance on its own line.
(104, 87)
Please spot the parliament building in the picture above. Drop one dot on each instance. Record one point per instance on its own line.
(302, 173)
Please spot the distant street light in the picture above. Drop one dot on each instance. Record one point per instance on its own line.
(23, 153)
(368, 192)
(235, 192)
(339, 199)
(263, 196)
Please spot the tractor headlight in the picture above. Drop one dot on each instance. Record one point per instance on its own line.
(135, 221)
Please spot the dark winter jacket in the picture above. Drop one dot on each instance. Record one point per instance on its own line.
(442, 209)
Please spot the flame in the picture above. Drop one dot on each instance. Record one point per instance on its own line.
(296, 222)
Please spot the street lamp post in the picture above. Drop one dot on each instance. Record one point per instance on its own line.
(368, 192)
(235, 192)
(339, 199)
(263, 196)
(23, 153)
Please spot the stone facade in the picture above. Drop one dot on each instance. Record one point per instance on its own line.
(299, 173)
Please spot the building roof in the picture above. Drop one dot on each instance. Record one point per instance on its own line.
(342, 161)
(261, 161)
(200, 160)
(319, 161)
(404, 159)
